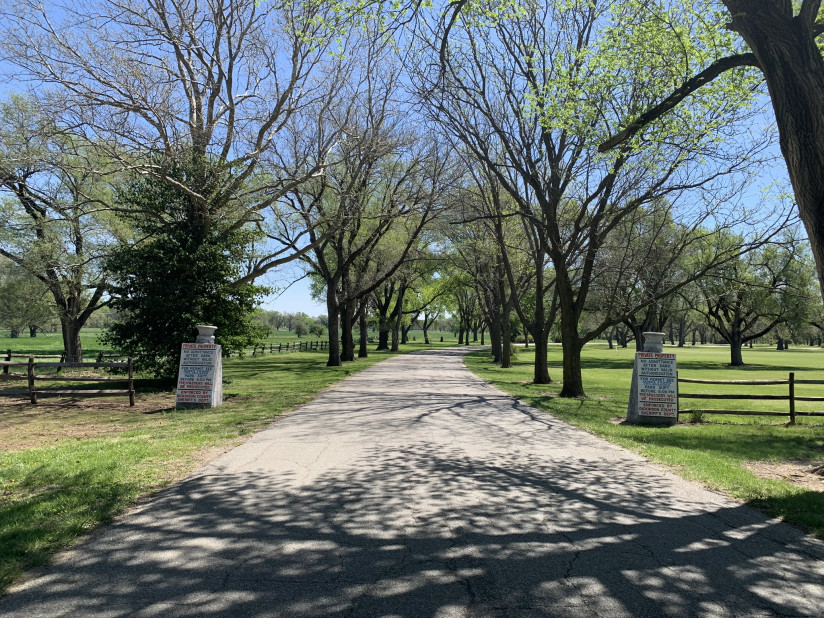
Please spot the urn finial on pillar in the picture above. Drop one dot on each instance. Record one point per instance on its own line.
(205, 334)
(653, 342)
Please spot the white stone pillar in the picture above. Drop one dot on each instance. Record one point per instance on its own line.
(200, 376)
(653, 396)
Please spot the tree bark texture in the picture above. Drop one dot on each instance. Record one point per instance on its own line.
(347, 327)
(71, 339)
(506, 336)
(333, 315)
(363, 351)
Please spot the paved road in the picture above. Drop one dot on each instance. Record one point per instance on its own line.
(413, 489)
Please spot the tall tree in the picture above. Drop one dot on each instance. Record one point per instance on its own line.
(365, 214)
(55, 218)
(531, 92)
(781, 40)
(178, 274)
(25, 303)
(220, 80)
(749, 297)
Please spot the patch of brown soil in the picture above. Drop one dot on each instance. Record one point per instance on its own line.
(24, 425)
(805, 473)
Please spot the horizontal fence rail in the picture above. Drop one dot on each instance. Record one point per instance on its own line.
(282, 348)
(31, 377)
(790, 397)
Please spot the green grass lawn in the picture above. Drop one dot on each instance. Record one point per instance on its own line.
(52, 343)
(716, 452)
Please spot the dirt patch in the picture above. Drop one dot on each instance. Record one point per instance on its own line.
(806, 473)
(24, 426)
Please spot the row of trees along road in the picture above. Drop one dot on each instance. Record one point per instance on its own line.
(528, 146)
(531, 93)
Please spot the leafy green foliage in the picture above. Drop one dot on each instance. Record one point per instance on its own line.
(182, 274)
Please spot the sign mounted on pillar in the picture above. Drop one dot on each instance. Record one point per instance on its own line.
(653, 398)
(200, 377)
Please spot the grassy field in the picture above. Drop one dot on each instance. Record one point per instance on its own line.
(732, 454)
(68, 465)
(52, 343)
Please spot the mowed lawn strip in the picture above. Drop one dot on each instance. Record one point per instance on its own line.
(67, 466)
(716, 451)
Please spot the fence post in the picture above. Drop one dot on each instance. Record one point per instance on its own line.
(677, 399)
(32, 392)
(280, 347)
(8, 359)
(131, 383)
(792, 398)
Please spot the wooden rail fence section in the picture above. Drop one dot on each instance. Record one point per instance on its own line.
(31, 377)
(280, 348)
(790, 397)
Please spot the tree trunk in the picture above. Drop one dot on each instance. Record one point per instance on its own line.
(426, 334)
(636, 334)
(364, 335)
(72, 348)
(506, 336)
(570, 341)
(461, 336)
(347, 337)
(541, 368)
(496, 334)
(333, 315)
(397, 315)
(15, 332)
(682, 332)
(736, 359)
(793, 69)
(32, 331)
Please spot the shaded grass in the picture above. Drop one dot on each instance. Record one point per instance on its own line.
(713, 452)
(92, 462)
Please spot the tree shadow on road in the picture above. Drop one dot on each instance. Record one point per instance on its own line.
(423, 531)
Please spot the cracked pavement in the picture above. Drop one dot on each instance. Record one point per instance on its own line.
(415, 489)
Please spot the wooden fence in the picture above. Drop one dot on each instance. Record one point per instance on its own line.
(31, 377)
(282, 348)
(9, 356)
(791, 398)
